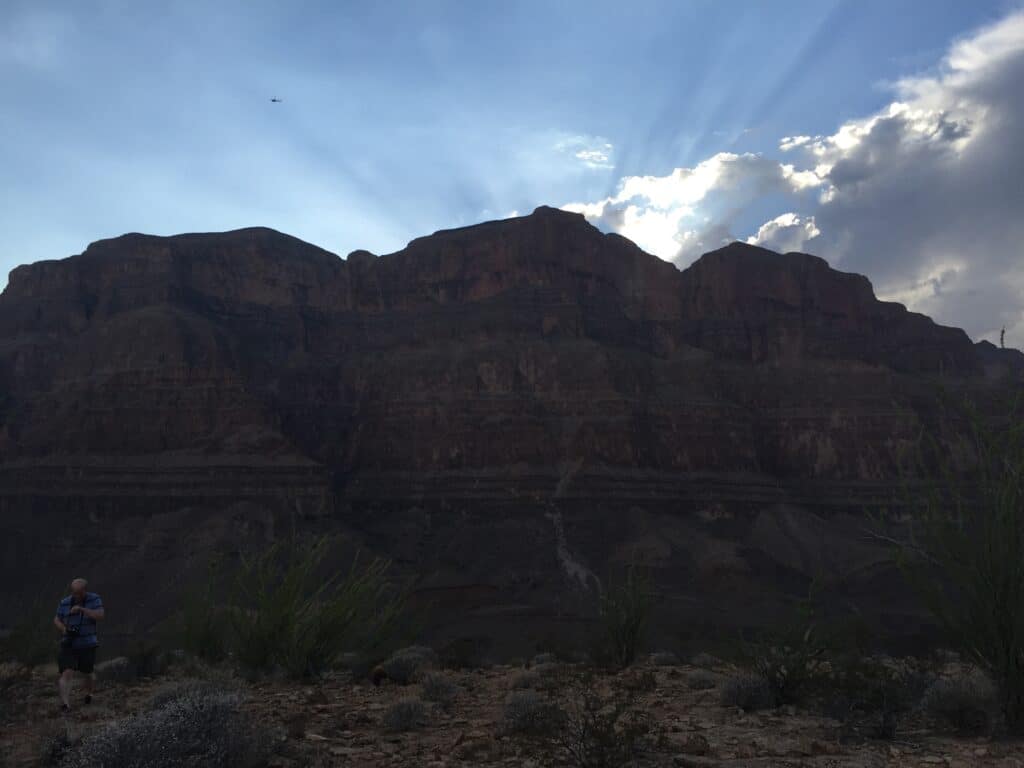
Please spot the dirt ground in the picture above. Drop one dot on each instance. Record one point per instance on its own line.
(338, 722)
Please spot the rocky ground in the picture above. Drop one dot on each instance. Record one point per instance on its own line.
(339, 722)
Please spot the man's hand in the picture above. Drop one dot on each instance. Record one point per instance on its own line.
(75, 609)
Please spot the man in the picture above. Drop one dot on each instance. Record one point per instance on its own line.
(76, 619)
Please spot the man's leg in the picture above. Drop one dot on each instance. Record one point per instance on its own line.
(86, 663)
(64, 687)
(90, 681)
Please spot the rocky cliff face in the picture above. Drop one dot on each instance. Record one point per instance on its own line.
(506, 409)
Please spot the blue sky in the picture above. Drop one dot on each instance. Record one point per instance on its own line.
(402, 118)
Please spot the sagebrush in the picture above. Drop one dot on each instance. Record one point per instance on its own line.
(191, 725)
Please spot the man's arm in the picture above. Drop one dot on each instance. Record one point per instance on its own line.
(59, 624)
(94, 613)
(91, 613)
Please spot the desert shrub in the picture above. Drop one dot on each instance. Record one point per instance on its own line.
(964, 703)
(405, 715)
(405, 665)
(967, 555)
(203, 631)
(56, 743)
(748, 692)
(190, 727)
(286, 613)
(875, 692)
(600, 731)
(701, 680)
(664, 659)
(437, 688)
(625, 609)
(527, 713)
(12, 675)
(189, 690)
(790, 658)
(789, 670)
(32, 639)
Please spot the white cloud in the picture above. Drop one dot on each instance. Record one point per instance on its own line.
(788, 232)
(688, 211)
(924, 196)
(591, 151)
(792, 142)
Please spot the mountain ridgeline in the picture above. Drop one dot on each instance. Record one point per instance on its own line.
(510, 411)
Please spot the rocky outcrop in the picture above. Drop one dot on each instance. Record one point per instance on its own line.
(505, 409)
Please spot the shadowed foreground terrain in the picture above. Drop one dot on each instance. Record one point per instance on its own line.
(338, 722)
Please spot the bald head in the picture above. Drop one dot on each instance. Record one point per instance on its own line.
(78, 587)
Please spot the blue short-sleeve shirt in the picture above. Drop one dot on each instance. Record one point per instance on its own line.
(86, 627)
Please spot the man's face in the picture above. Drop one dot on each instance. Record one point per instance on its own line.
(78, 589)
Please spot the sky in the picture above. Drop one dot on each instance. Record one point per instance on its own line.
(882, 136)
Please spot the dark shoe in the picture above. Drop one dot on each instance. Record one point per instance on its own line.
(64, 709)
(88, 698)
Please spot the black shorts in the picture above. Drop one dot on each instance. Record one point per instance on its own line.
(79, 659)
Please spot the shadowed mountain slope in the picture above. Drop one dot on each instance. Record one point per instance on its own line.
(507, 410)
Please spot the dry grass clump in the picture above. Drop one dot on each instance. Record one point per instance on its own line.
(405, 666)
(966, 703)
(405, 715)
(528, 713)
(438, 688)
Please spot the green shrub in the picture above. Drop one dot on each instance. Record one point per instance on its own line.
(964, 703)
(790, 658)
(287, 611)
(624, 611)
(967, 555)
(405, 715)
(203, 629)
(32, 640)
